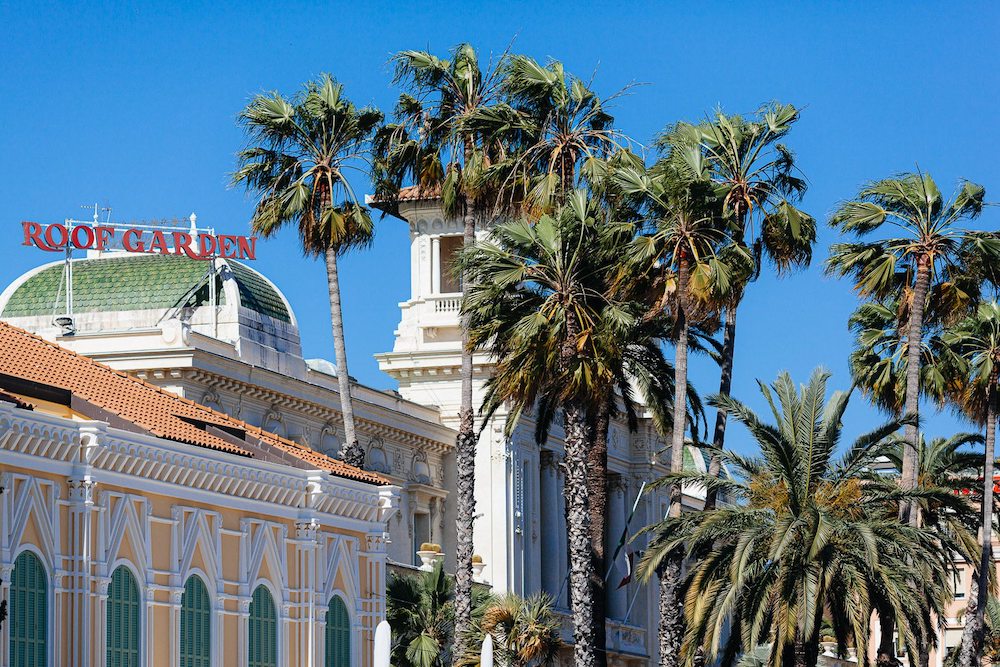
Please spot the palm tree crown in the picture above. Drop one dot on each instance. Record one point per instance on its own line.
(812, 532)
(297, 164)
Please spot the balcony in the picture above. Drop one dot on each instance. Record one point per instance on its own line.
(624, 640)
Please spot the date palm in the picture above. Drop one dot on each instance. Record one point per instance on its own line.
(531, 303)
(974, 343)
(755, 175)
(436, 145)
(810, 532)
(300, 155)
(931, 253)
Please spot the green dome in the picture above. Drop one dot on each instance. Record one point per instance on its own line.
(138, 282)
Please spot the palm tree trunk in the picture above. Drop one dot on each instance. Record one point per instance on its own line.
(351, 451)
(725, 386)
(577, 493)
(597, 479)
(671, 628)
(886, 654)
(581, 562)
(465, 472)
(801, 656)
(971, 649)
(914, 338)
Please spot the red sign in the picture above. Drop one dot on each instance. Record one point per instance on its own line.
(56, 237)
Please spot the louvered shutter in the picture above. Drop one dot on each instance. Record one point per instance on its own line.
(29, 612)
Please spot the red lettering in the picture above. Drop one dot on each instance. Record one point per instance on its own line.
(32, 236)
(104, 236)
(183, 245)
(87, 232)
(227, 246)
(132, 241)
(247, 247)
(63, 236)
(159, 243)
(206, 244)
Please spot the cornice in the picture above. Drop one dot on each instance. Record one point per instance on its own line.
(317, 410)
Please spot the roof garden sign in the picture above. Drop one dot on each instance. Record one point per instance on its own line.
(163, 239)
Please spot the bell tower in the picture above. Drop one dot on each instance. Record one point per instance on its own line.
(426, 356)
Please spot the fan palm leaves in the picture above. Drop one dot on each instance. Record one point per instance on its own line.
(298, 163)
(561, 129)
(810, 531)
(930, 255)
(974, 343)
(755, 175)
(532, 302)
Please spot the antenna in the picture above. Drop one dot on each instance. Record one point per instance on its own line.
(98, 209)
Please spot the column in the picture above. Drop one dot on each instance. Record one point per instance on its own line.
(310, 640)
(549, 486)
(81, 496)
(617, 597)
(562, 532)
(436, 265)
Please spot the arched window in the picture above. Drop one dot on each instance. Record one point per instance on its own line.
(29, 612)
(123, 620)
(263, 629)
(196, 623)
(338, 634)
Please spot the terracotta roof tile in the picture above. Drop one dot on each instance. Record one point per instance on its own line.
(11, 398)
(409, 193)
(29, 357)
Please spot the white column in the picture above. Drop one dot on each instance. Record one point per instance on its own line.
(617, 597)
(436, 265)
(549, 483)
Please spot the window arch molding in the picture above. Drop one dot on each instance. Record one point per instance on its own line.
(31, 551)
(333, 656)
(212, 610)
(140, 590)
(279, 619)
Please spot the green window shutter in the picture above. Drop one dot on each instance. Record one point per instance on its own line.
(263, 635)
(123, 620)
(29, 612)
(196, 624)
(338, 634)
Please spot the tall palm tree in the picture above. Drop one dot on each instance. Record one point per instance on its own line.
(975, 343)
(300, 154)
(684, 232)
(437, 145)
(531, 303)
(931, 255)
(810, 532)
(755, 174)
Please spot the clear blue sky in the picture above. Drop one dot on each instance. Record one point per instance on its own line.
(134, 104)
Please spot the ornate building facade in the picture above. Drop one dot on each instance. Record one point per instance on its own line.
(231, 342)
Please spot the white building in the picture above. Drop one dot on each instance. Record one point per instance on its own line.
(239, 352)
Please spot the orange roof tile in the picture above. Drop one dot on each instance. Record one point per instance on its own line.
(155, 410)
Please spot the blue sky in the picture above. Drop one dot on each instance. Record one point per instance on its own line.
(134, 105)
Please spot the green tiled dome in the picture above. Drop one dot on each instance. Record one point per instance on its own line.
(137, 282)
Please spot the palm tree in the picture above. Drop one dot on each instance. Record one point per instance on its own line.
(531, 302)
(561, 131)
(525, 631)
(975, 344)
(930, 256)
(437, 145)
(421, 612)
(755, 175)
(680, 250)
(297, 163)
(809, 533)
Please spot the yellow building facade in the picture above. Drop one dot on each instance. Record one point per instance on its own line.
(121, 544)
